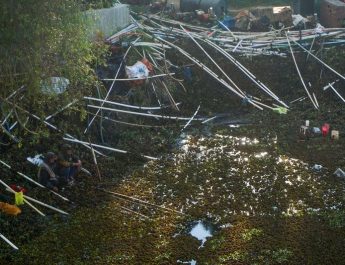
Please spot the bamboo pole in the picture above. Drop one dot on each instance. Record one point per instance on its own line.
(128, 106)
(336, 92)
(149, 44)
(33, 207)
(59, 195)
(264, 105)
(299, 73)
(131, 211)
(237, 45)
(232, 34)
(213, 61)
(108, 148)
(15, 123)
(207, 70)
(131, 124)
(320, 61)
(26, 198)
(131, 79)
(240, 66)
(152, 60)
(311, 47)
(85, 171)
(264, 39)
(172, 100)
(141, 201)
(112, 85)
(155, 92)
(15, 139)
(62, 109)
(7, 116)
(126, 30)
(327, 86)
(296, 100)
(250, 75)
(144, 114)
(8, 188)
(95, 161)
(45, 205)
(21, 174)
(33, 181)
(208, 120)
(15, 92)
(178, 23)
(197, 110)
(8, 242)
(49, 125)
(317, 103)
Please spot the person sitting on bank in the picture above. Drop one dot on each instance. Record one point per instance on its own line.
(46, 174)
(69, 165)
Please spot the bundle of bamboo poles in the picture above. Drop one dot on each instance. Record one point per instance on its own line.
(169, 32)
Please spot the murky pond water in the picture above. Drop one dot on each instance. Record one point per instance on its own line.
(225, 175)
(227, 199)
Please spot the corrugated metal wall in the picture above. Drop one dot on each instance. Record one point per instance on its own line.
(108, 20)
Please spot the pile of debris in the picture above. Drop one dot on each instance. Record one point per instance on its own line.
(263, 18)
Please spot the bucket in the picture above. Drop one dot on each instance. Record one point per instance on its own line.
(228, 22)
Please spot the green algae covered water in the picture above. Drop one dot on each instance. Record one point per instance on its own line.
(266, 208)
(274, 209)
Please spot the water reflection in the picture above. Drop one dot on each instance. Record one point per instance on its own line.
(201, 231)
(226, 175)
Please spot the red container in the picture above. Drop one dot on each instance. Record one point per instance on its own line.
(325, 129)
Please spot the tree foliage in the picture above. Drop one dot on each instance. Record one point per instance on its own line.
(40, 39)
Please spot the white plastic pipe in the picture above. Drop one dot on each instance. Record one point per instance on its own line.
(299, 73)
(320, 61)
(33, 181)
(8, 242)
(112, 85)
(144, 78)
(108, 148)
(126, 105)
(197, 110)
(144, 114)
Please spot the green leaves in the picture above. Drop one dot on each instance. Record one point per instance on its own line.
(42, 39)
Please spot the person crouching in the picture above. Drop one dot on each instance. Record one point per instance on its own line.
(46, 174)
(69, 165)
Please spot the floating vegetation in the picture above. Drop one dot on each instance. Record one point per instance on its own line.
(270, 209)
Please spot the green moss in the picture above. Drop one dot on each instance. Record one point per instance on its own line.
(249, 234)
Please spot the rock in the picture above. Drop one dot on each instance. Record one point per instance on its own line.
(317, 167)
(339, 173)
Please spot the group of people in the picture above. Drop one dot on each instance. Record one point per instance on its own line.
(57, 171)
